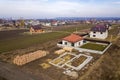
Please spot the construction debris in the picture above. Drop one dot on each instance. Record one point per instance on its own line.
(72, 74)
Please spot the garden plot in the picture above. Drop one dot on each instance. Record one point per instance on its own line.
(79, 62)
(62, 59)
(71, 61)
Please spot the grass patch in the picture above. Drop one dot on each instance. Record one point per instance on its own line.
(93, 46)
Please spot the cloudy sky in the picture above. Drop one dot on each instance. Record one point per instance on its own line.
(59, 8)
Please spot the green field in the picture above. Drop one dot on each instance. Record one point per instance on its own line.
(12, 40)
(94, 46)
(78, 27)
(28, 40)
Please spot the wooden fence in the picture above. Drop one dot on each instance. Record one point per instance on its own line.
(26, 58)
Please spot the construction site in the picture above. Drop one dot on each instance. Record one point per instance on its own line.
(49, 62)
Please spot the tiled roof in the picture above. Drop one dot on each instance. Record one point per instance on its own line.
(99, 28)
(73, 38)
(36, 27)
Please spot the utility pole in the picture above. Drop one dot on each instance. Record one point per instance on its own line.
(118, 31)
(51, 29)
(76, 30)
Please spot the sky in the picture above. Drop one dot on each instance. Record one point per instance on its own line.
(59, 8)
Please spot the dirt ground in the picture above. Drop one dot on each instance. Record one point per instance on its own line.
(54, 72)
(1, 78)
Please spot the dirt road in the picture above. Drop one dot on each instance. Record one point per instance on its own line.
(12, 72)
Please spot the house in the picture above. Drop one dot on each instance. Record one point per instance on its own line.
(99, 31)
(62, 23)
(108, 26)
(47, 24)
(54, 23)
(36, 29)
(72, 40)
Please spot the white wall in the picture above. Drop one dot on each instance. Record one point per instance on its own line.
(68, 43)
(47, 24)
(99, 35)
(77, 44)
(55, 24)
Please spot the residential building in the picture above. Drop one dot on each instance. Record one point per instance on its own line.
(108, 26)
(36, 29)
(47, 24)
(72, 40)
(54, 23)
(99, 31)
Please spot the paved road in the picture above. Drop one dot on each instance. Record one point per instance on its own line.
(12, 72)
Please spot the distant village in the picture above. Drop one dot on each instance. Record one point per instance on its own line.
(9, 24)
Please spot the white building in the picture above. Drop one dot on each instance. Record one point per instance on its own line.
(72, 40)
(47, 24)
(54, 23)
(99, 31)
(32, 22)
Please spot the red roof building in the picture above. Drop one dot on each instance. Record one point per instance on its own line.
(73, 38)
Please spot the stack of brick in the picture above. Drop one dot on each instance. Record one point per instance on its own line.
(26, 58)
(59, 51)
(70, 49)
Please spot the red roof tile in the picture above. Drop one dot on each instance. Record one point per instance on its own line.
(73, 38)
